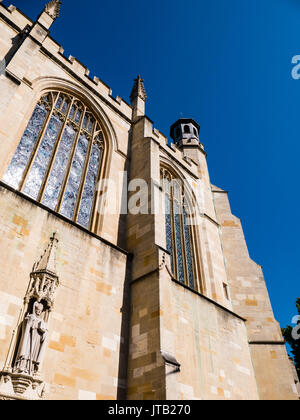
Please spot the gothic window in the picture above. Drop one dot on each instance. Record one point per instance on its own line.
(179, 233)
(187, 129)
(58, 159)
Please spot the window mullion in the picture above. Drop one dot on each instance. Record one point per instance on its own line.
(67, 174)
(61, 130)
(168, 225)
(54, 153)
(96, 197)
(183, 245)
(36, 147)
(101, 170)
(176, 271)
(84, 173)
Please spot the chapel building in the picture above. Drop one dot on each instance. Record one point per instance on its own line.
(124, 273)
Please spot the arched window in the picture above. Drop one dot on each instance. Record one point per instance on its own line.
(179, 235)
(58, 159)
(187, 129)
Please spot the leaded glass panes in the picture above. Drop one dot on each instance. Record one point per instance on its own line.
(70, 197)
(90, 125)
(188, 249)
(77, 115)
(85, 121)
(59, 168)
(72, 112)
(15, 171)
(169, 228)
(90, 186)
(65, 106)
(39, 167)
(178, 232)
(59, 156)
(178, 241)
(59, 102)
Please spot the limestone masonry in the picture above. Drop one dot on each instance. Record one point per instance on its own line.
(107, 305)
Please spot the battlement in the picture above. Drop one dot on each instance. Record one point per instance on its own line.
(82, 72)
(15, 15)
(71, 64)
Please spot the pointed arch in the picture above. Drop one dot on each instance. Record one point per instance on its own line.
(64, 151)
(181, 236)
(48, 83)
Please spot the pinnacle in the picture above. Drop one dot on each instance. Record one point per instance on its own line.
(47, 261)
(138, 89)
(52, 8)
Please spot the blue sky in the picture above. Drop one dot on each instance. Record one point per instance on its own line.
(227, 64)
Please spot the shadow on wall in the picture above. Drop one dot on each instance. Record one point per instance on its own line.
(17, 41)
(125, 335)
(122, 228)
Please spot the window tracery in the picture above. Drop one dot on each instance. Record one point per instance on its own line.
(179, 234)
(59, 157)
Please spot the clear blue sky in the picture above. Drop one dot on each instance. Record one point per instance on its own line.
(227, 64)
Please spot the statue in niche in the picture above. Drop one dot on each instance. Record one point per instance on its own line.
(32, 343)
(21, 375)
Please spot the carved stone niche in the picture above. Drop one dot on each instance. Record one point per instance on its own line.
(21, 377)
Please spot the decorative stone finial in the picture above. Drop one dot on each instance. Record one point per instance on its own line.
(47, 262)
(52, 8)
(138, 90)
(21, 375)
(44, 279)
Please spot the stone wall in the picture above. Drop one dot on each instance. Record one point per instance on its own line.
(37, 66)
(251, 300)
(83, 355)
(100, 326)
(209, 342)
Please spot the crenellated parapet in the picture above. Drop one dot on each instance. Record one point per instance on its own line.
(39, 37)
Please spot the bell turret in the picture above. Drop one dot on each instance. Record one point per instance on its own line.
(185, 132)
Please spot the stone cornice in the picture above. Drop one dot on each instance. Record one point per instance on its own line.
(209, 300)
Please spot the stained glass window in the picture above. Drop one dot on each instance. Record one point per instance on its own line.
(179, 238)
(58, 159)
